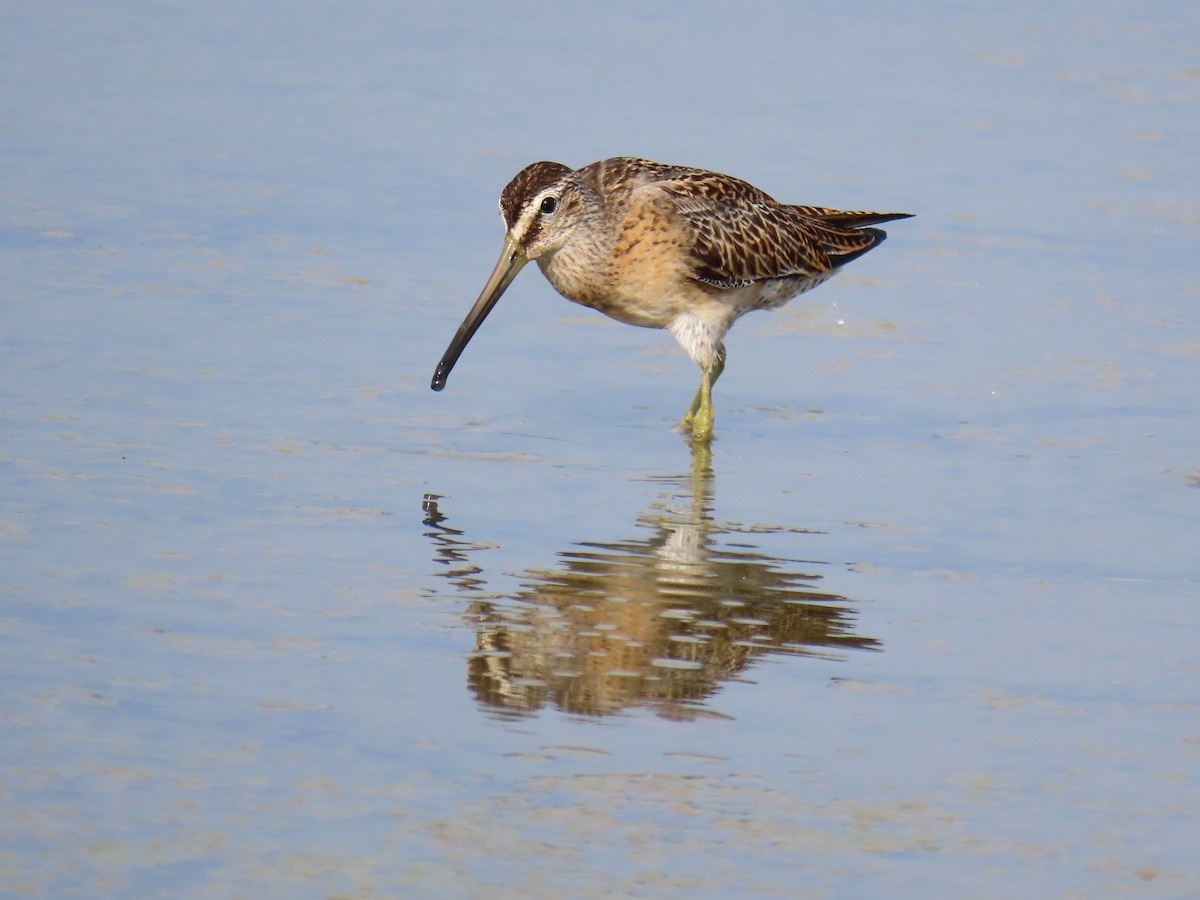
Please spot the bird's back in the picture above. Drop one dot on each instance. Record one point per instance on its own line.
(738, 233)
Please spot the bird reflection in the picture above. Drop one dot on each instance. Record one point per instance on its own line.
(658, 620)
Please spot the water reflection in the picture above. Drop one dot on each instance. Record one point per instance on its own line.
(656, 620)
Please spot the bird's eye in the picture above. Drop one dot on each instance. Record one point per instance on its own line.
(549, 205)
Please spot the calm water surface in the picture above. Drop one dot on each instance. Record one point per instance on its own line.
(278, 621)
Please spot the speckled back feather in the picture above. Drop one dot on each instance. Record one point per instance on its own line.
(741, 234)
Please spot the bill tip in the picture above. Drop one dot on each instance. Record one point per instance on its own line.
(439, 377)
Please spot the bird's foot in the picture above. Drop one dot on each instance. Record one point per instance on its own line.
(701, 425)
(685, 424)
(698, 427)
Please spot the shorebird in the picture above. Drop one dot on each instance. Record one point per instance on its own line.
(666, 246)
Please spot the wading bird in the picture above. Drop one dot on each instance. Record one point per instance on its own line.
(666, 247)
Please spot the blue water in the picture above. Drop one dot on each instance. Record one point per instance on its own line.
(277, 620)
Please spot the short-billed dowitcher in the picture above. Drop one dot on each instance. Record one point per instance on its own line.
(666, 247)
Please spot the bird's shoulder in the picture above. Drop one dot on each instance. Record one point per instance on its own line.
(738, 233)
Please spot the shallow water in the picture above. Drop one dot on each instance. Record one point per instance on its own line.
(277, 620)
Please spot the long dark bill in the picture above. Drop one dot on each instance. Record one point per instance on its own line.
(510, 263)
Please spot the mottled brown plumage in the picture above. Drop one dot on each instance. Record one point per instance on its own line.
(666, 247)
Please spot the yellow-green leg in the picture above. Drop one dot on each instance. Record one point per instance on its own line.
(699, 417)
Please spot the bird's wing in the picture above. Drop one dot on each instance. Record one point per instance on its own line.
(741, 235)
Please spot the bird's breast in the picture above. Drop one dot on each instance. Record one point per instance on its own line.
(638, 273)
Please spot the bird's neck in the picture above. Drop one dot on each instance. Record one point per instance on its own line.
(579, 268)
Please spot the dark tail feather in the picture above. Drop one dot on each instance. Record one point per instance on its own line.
(878, 236)
(858, 219)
